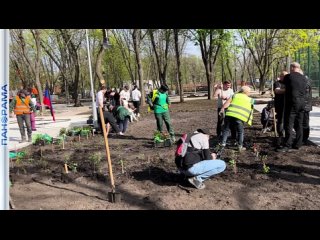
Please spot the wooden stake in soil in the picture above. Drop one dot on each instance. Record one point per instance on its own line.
(79, 137)
(52, 147)
(41, 151)
(113, 196)
(87, 136)
(63, 143)
(66, 168)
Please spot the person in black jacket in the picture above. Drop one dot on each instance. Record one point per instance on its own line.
(295, 85)
(199, 163)
(306, 113)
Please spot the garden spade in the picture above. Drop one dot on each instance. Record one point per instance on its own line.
(113, 196)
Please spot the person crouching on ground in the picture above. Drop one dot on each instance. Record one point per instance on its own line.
(198, 163)
(122, 115)
(22, 107)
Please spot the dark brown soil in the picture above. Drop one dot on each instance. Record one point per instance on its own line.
(147, 178)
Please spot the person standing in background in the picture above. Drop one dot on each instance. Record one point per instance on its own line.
(32, 114)
(222, 94)
(99, 103)
(22, 107)
(136, 96)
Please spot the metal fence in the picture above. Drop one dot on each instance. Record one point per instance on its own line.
(309, 60)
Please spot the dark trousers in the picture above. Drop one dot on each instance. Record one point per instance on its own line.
(305, 126)
(99, 120)
(109, 118)
(229, 123)
(220, 124)
(123, 124)
(136, 104)
(279, 117)
(293, 116)
(24, 118)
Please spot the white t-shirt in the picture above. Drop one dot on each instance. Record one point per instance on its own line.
(99, 99)
(125, 94)
(199, 141)
(226, 94)
(136, 95)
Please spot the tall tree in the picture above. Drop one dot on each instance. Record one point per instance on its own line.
(34, 68)
(210, 43)
(137, 37)
(178, 53)
(161, 50)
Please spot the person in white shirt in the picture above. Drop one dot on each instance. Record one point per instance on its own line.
(99, 102)
(125, 96)
(136, 96)
(223, 93)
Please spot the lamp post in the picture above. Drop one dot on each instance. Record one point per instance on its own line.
(94, 110)
(4, 115)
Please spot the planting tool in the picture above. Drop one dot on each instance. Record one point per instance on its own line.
(113, 196)
(274, 122)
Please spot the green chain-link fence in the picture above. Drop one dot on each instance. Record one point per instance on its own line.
(309, 60)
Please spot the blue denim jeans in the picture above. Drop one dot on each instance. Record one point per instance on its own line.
(206, 168)
(230, 122)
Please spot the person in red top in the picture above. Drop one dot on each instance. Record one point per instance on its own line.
(22, 107)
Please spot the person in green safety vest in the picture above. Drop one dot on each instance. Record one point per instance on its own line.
(239, 110)
(159, 102)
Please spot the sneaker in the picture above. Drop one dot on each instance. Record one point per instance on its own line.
(121, 133)
(22, 140)
(196, 183)
(241, 148)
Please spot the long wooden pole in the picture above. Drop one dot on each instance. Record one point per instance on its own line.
(105, 135)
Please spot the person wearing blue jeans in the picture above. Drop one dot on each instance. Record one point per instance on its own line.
(198, 163)
(236, 124)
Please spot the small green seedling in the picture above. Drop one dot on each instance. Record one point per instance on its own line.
(266, 169)
(95, 159)
(122, 166)
(73, 166)
(232, 162)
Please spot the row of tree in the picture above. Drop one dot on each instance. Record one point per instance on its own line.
(59, 57)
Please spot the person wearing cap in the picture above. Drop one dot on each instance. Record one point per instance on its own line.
(239, 110)
(159, 102)
(199, 163)
(22, 107)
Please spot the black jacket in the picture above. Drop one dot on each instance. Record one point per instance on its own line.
(308, 96)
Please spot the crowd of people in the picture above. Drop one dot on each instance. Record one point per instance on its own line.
(291, 105)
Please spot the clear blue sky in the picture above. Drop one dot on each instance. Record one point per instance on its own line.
(192, 50)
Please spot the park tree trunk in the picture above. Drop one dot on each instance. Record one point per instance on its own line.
(136, 37)
(176, 46)
(72, 49)
(99, 57)
(35, 69)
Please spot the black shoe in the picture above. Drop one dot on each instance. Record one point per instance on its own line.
(284, 149)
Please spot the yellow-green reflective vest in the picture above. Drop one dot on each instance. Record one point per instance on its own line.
(241, 107)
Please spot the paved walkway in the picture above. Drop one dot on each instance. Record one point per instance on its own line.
(65, 117)
(314, 121)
